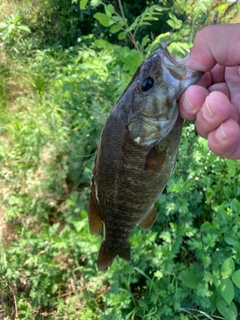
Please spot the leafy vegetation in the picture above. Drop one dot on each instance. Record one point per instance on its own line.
(63, 65)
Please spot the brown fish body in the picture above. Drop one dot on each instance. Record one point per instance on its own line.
(137, 153)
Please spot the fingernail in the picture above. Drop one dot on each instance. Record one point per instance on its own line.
(207, 112)
(220, 133)
(189, 107)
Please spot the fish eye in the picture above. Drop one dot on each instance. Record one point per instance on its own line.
(147, 83)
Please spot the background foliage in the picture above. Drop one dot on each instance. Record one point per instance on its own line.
(63, 64)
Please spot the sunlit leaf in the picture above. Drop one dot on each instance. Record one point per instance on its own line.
(83, 4)
(105, 20)
(226, 290)
(109, 10)
(227, 268)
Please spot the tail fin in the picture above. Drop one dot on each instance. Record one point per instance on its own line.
(106, 257)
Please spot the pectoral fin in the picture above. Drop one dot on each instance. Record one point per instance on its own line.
(149, 219)
(95, 221)
(154, 160)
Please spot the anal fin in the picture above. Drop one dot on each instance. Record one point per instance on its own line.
(149, 218)
(94, 218)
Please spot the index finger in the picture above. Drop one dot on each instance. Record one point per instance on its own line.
(215, 44)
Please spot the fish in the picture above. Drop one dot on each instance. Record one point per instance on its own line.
(136, 154)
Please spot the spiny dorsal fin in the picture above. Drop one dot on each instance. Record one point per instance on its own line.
(149, 219)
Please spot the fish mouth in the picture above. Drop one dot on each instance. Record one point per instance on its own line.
(179, 72)
(191, 77)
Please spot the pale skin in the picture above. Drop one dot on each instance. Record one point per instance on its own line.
(214, 103)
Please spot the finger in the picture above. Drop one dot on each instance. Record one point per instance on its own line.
(218, 73)
(225, 140)
(191, 101)
(222, 87)
(232, 78)
(215, 110)
(215, 44)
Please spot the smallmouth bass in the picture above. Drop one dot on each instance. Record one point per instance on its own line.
(136, 153)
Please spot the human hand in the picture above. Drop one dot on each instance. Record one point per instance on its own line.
(215, 102)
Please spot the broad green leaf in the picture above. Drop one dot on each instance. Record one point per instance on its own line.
(115, 28)
(236, 278)
(83, 4)
(226, 290)
(229, 239)
(109, 9)
(229, 312)
(189, 279)
(174, 22)
(235, 205)
(105, 20)
(228, 267)
(102, 43)
(122, 35)
(216, 272)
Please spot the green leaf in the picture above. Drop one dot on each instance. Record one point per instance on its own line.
(115, 28)
(174, 22)
(229, 312)
(83, 4)
(109, 10)
(105, 20)
(236, 278)
(226, 290)
(235, 205)
(103, 43)
(228, 267)
(189, 279)
(54, 288)
(122, 35)
(24, 28)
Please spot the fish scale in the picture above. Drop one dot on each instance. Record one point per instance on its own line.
(136, 153)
